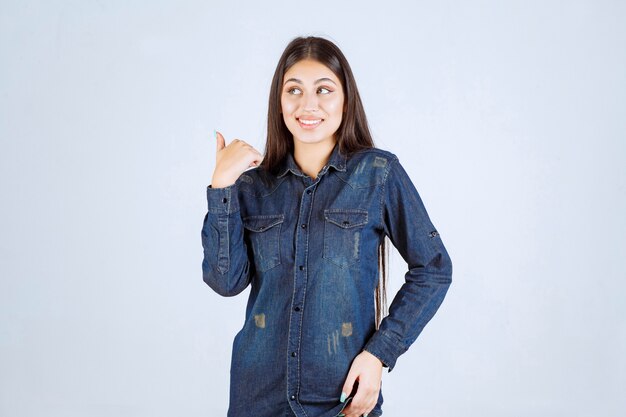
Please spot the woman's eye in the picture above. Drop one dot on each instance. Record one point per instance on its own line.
(292, 89)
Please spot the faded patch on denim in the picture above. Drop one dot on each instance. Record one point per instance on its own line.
(259, 320)
(379, 161)
(333, 341)
(360, 167)
(355, 247)
(346, 329)
(246, 178)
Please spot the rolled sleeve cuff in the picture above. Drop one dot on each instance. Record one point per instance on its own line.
(222, 200)
(385, 348)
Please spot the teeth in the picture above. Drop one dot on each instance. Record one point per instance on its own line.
(310, 122)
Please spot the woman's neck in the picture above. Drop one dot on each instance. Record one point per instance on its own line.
(311, 157)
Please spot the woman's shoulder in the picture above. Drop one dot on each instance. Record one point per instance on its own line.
(371, 157)
(367, 167)
(374, 154)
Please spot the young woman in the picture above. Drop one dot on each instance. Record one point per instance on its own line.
(305, 225)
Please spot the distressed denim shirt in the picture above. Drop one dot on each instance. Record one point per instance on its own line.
(308, 249)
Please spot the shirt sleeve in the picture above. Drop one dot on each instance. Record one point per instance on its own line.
(226, 265)
(429, 276)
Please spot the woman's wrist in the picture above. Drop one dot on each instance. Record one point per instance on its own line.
(220, 184)
(219, 181)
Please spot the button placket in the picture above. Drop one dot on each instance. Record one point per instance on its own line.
(300, 280)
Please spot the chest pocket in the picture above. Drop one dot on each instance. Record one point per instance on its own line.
(342, 235)
(264, 233)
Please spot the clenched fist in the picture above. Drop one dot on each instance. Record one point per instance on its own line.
(232, 161)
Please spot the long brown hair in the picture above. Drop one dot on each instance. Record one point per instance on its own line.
(352, 135)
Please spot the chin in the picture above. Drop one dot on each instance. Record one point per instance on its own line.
(311, 139)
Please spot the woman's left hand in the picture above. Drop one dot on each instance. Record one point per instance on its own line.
(367, 369)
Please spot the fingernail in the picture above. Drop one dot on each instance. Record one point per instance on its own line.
(341, 415)
(343, 397)
(365, 415)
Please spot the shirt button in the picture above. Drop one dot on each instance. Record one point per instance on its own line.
(297, 308)
(308, 191)
(303, 226)
(224, 200)
(293, 353)
(293, 397)
(301, 267)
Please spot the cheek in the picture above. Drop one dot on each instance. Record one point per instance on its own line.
(336, 107)
(288, 107)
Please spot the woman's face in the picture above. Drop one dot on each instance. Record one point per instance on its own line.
(312, 93)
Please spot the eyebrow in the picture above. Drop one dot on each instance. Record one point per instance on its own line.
(317, 81)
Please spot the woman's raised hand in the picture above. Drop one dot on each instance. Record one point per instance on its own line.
(232, 161)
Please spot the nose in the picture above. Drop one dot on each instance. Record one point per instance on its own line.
(310, 103)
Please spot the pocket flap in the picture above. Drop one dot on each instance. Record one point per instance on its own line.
(262, 222)
(346, 218)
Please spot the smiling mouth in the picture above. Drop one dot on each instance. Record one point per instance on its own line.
(309, 124)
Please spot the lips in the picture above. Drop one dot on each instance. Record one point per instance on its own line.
(307, 123)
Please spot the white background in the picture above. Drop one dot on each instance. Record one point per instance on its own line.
(510, 118)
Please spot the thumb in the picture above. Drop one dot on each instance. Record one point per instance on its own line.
(348, 385)
(219, 139)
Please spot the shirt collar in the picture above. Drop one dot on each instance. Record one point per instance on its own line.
(336, 160)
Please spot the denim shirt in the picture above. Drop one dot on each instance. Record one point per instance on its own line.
(308, 249)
